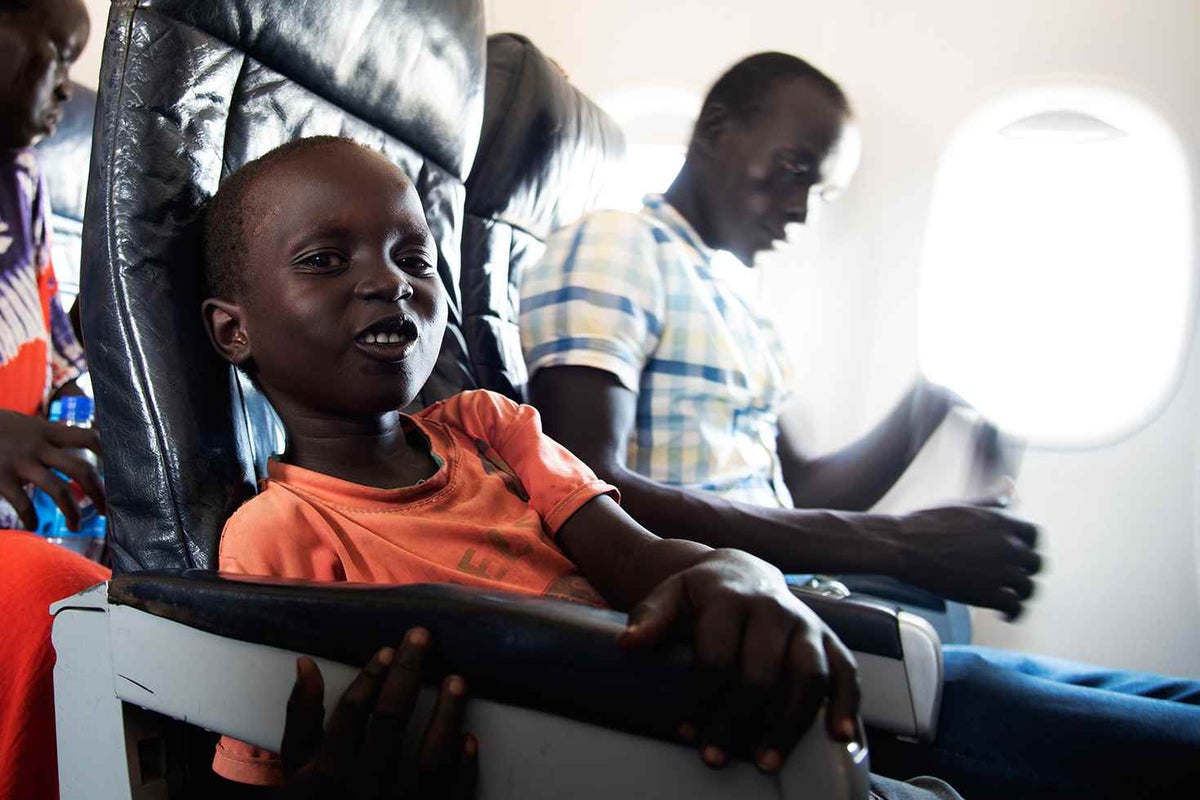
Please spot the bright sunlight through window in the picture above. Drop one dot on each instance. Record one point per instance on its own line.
(1056, 280)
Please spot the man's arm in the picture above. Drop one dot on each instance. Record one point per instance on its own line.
(977, 556)
(860, 474)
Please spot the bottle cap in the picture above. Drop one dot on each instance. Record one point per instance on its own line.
(73, 408)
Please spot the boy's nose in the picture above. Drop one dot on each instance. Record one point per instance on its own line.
(385, 282)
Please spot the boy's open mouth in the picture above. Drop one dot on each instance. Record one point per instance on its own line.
(388, 339)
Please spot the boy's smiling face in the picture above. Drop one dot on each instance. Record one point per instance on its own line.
(340, 311)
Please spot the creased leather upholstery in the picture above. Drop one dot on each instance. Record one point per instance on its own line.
(190, 90)
(543, 157)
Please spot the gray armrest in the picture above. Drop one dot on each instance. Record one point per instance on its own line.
(899, 659)
(152, 641)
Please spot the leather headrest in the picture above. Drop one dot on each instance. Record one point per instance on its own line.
(410, 72)
(545, 147)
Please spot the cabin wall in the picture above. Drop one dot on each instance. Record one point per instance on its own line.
(87, 69)
(1121, 582)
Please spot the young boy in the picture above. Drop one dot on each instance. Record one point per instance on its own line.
(321, 269)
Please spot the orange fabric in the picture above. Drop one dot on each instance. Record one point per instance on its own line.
(486, 518)
(24, 378)
(35, 574)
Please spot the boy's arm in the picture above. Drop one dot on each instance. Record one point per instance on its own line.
(763, 657)
(623, 560)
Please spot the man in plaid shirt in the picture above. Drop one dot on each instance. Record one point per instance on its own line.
(660, 376)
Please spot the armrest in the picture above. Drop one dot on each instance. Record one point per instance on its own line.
(537, 653)
(886, 587)
(216, 652)
(543, 654)
(899, 659)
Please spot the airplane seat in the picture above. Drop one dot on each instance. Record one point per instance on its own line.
(189, 91)
(544, 153)
(63, 159)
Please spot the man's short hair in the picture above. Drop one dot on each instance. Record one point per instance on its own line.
(17, 6)
(744, 86)
(225, 217)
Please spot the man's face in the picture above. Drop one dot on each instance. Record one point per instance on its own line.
(37, 48)
(763, 170)
(342, 306)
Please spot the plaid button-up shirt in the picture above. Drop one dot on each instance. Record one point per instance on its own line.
(637, 295)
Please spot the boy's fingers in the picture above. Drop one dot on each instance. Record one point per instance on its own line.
(806, 686)
(81, 471)
(394, 707)
(303, 728)
(69, 437)
(706, 686)
(653, 617)
(443, 736)
(14, 493)
(719, 636)
(765, 642)
(55, 487)
(738, 714)
(348, 722)
(466, 776)
(841, 714)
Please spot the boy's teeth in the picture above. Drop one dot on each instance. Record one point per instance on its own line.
(382, 338)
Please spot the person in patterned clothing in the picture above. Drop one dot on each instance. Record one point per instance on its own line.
(40, 357)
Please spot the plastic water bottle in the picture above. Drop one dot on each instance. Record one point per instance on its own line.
(88, 541)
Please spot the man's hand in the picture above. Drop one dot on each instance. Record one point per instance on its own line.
(767, 662)
(30, 449)
(358, 754)
(979, 556)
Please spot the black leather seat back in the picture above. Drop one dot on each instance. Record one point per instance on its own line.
(543, 157)
(190, 90)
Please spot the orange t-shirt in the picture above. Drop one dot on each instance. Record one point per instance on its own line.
(486, 518)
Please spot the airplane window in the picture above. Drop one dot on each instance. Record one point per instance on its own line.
(657, 123)
(1056, 284)
(646, 168)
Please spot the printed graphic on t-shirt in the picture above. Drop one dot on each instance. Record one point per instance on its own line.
(493, 464)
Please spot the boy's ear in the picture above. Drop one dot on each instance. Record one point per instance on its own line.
(225, 328)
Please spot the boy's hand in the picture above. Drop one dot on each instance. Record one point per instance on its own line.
(30, 449)
(358, 754)
(767, 662)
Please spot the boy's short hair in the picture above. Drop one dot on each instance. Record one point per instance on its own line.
(225, 216)
(743, 87)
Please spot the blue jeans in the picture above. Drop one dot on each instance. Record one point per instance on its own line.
(1024, 727)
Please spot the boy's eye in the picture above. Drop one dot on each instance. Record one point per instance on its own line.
(414, 265)
(322, 261)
